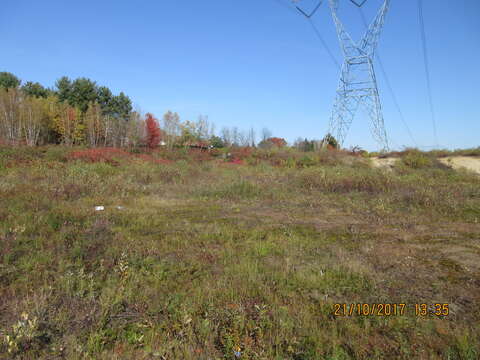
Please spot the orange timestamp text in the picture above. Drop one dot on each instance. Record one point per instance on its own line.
(394, 309)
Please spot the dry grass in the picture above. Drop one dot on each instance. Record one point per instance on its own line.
(205, 259)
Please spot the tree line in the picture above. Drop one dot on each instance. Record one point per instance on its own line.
(80, 112)
(73, 112)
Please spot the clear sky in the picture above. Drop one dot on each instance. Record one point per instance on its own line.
(253, 62)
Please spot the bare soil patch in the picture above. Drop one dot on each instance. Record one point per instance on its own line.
(466, 162)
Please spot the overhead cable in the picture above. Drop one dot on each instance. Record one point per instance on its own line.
(314, 28)
(427, 69)
(389, 87)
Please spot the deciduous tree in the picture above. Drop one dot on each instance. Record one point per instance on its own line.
(272, 142)
(153, 131)
(10, 126)
(32, 119)
(266, 134)
(172, 128)
(95, 126)
(68, 123)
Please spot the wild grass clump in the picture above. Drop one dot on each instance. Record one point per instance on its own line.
(55, 153)
(15, 156)
(290, 158)
(342, 179)
(238, 190)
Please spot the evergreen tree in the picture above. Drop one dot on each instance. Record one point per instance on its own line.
(9, 81)
(35, 90)
(106, 100)
(122, 106)
(64, 89)
(84, 92)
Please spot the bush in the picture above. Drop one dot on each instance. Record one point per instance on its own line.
(217, 142)
(416, 160)
(306, 161)
(272, 142)
(241, 153)
(110, 155)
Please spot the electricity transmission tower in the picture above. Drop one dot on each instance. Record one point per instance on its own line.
(358, 84)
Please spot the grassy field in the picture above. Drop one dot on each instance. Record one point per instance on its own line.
(197, 257)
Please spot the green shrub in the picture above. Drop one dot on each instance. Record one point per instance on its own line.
(306, 161)
(416, 160)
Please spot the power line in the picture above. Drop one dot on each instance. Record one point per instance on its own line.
(389, 86)
(315, 9)
(281, 3)
(427, 68)
(315, 29)
(327, 49)
(394, 98)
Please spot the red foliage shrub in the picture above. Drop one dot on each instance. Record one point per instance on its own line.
(241, 153)
(154, 133)
(99, 155)
(111, 155)
(279, 142)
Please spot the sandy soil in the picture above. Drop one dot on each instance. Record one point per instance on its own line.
(468, 162)
(456, 162)
(386, 163)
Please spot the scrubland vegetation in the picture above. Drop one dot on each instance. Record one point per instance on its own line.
(205, 255)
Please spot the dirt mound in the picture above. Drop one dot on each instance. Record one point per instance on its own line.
(467, 162)
(386, 163)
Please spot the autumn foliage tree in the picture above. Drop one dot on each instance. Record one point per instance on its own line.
(153, 131)
(272, 142)
(278, 142)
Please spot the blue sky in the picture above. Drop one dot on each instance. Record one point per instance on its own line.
(253, 62)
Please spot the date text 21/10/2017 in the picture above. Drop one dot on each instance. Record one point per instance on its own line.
(435, 309)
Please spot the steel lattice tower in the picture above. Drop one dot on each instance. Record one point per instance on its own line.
(358, 85)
